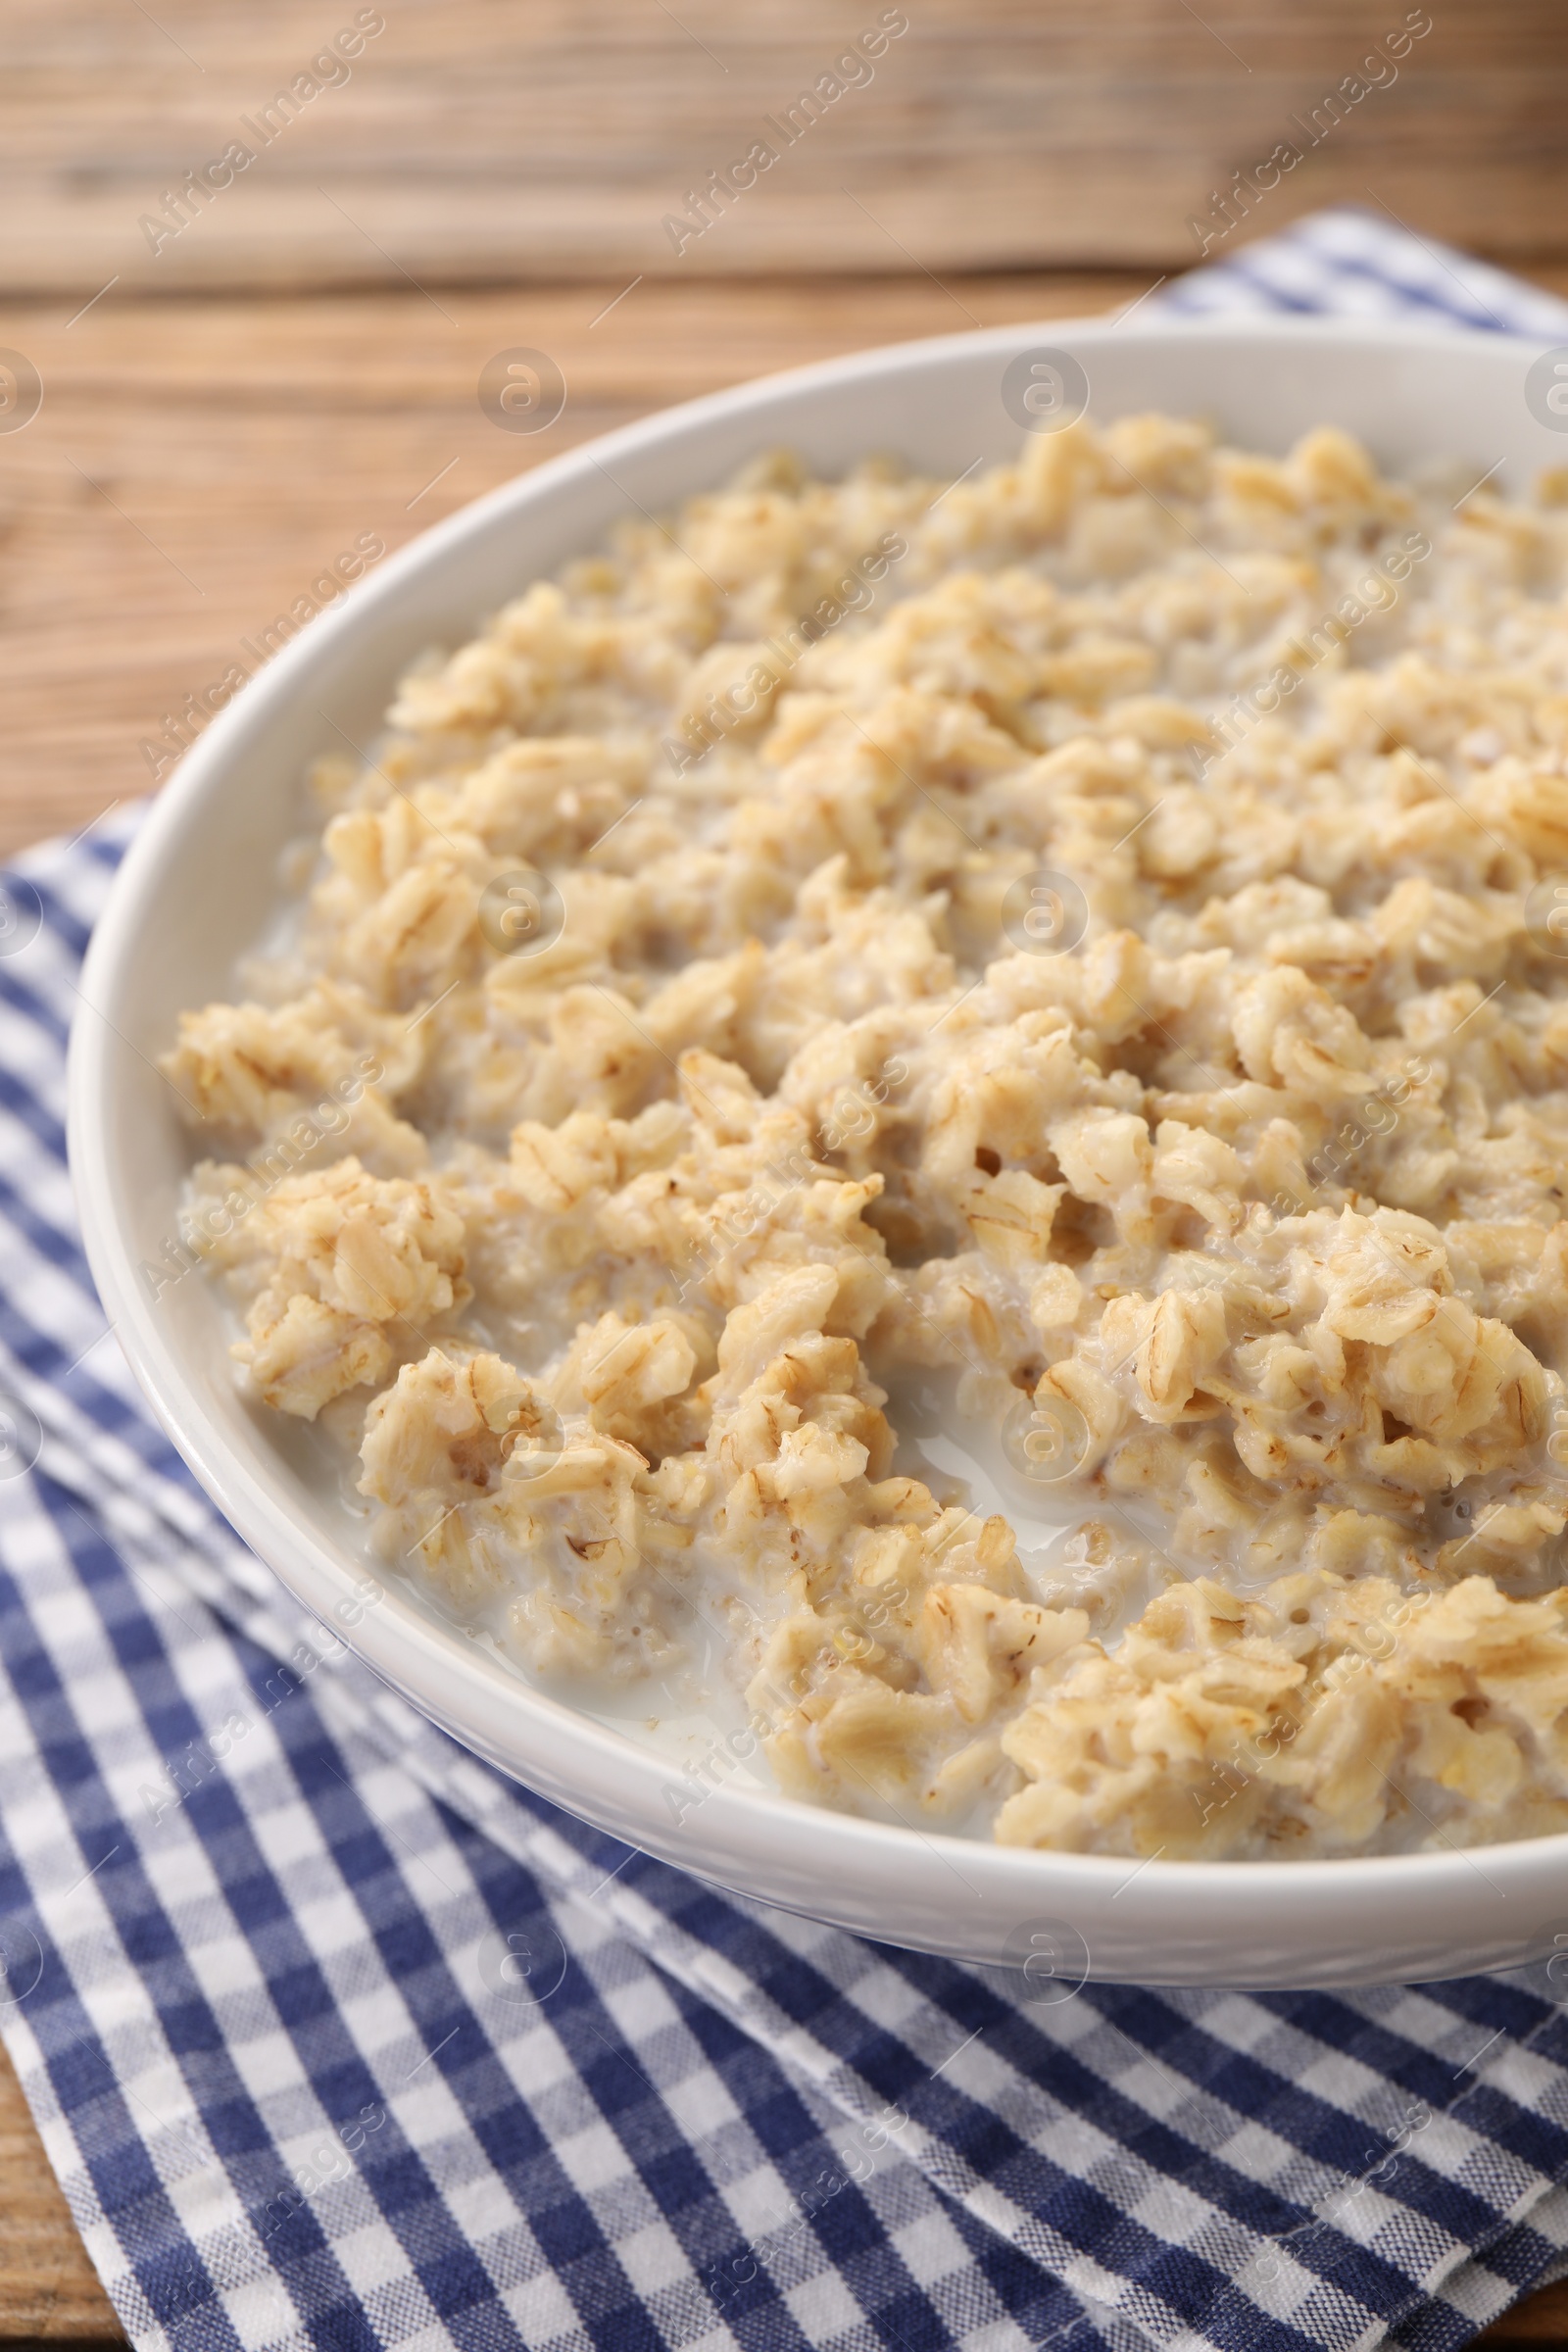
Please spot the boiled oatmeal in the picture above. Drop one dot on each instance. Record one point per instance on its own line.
(1074, 955)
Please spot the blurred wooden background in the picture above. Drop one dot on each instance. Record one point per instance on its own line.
(298, 366)
(483, 140)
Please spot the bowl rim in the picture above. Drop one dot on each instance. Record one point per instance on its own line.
(393, 1637)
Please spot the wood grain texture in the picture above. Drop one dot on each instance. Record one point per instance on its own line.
(476, 140)
(195, 465)
(49, 2290)
(1540, 2320)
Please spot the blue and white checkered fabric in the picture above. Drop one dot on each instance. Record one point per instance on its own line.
(1363, 265)
(335, 2037)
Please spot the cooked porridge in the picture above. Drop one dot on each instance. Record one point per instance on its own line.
(1073, 957)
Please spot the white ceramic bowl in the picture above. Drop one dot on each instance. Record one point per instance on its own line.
(200, 883)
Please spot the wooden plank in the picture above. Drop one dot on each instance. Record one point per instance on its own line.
(196, 465)
(484, 141)
(49, 2290)
(1539, 2320)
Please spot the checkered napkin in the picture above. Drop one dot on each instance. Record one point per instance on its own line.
(337, 2038)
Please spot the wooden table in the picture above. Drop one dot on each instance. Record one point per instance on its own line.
(292, 361)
